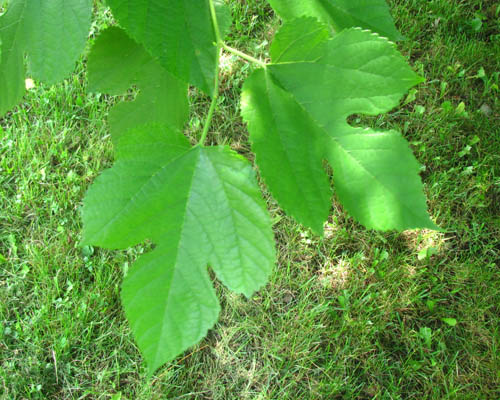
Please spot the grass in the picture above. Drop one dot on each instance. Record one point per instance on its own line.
(353, 315)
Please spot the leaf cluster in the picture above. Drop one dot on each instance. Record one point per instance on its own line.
(201, 206)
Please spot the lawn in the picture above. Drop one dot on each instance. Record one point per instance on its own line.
(355, 314)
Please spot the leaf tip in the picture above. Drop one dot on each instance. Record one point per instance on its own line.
(400, 38)
(318, 229)
(84, 241)
(436, 227)
(150, 370)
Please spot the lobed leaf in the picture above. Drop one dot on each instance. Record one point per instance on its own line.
(177, 32)
(200, 206)
(342, 14)
(53, 35)
(297, 110)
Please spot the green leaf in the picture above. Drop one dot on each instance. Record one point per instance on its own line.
(11, 59)
(116, 63)
(52, 34)
(342, 14)
(297, 113)
(287, 145)
(224, 17)
(304, 40)
(177, 32)
(200, 206)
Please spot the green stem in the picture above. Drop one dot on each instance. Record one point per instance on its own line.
(215, 94)
(220, 45)
(243, 55)
(213, 104)
(215, 23)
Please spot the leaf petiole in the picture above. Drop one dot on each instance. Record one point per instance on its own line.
(243, 55)
(215, 94)
(213, 104)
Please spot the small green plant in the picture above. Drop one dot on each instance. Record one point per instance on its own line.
(201, 205)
